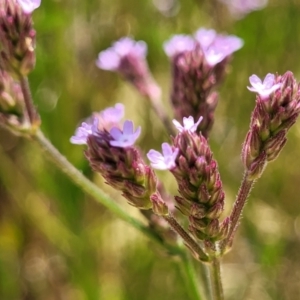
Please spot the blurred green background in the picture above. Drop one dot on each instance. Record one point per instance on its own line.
(57, 243)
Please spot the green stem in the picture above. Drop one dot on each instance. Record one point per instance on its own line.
(237, 210)
(215, 278)
(160, 111)
(90, 188)
(189, 242)
(30, 109)
(191, 279)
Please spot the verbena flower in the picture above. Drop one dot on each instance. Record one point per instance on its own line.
(217, 47)
(198, 66)
(111, 58)
(263, 88)
(178, 44)
(188, 124)
(240, 8)
(205, 37)
(104, 120)
(164, 161)
(29, 6)
(82, 133)
(199, 184)
(126, 137)
(273, 115)
(128, 57)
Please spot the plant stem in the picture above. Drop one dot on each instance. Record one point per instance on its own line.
(191, 279)
(190, 243)
(30, 109)
(215, 278)
(90, 188)
(237, 209)
(160, 111)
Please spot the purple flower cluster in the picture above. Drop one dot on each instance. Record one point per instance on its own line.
(198, 65)
(108, 121)
(240, 8)
(111, 58)
(128, 57)
(215, 47)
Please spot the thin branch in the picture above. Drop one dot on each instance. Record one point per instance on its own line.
(237, 209)
(188, 240)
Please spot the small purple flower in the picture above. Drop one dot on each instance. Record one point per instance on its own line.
(265, 88)
(178, 44)
(239, 8)
(188, 124)
(165, 161)
(81, 134)
(29, 6)
(105, 119)
(205, 37)
(125, 138)
(222, 47)
(110, 58)
(111, 115)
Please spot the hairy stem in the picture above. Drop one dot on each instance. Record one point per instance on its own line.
(237, 209)
(30, 109)
(215, 278)
(90, 188)
(190, 243)
(160, 111)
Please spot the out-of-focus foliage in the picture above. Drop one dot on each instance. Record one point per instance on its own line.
(57, 243)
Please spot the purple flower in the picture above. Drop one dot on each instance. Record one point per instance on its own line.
(222, 47)
(125, 138)
(205, 37)
(188, 124)
(29, 6)
(105, 119)
(82, 133)
(178, 44)
(111, 115)
(239, 8)
(265, 88)
(165, 161)
(110, 58)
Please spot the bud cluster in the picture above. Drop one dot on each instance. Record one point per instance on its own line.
(277, 108)
(123, 169)
(17, 38)
(12, 109)
(200, 186)
(198, 66)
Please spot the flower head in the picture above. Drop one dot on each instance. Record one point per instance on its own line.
(164, 161)
(188, 124)
(29, 6)
(265, 88)
(178, 44)
(110, 59)
(126, 137)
